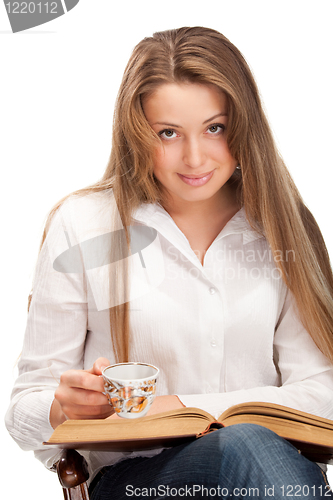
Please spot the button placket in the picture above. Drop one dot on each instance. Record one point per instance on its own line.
(212, 290)
(213, 347)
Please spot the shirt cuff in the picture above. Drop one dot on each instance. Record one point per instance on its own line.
(28, 421)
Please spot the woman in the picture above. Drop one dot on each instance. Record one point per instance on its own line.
(232, 300)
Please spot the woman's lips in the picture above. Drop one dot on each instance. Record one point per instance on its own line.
(196, 181)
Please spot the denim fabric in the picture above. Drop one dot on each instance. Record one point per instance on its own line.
(241, 461)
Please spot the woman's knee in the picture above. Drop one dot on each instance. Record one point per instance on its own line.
(246, 437)
(241, 441)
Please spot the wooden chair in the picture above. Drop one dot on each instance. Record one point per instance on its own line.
(73, 473)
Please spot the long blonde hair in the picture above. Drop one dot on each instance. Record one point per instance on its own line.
(271, 200)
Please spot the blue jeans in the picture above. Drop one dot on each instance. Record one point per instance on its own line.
(241, 461)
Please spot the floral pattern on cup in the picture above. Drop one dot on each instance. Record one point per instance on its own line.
(131, 398)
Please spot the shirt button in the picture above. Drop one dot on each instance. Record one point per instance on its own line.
(212, 290)
(213, 343)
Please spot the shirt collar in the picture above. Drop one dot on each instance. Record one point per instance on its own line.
(156, 216)
(239, 224)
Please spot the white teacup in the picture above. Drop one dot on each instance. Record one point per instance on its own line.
(130, 388)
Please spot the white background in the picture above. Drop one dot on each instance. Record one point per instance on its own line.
(57, 88)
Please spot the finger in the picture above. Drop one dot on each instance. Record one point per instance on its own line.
(99, 366)
(80, 404)
(81, 412)
(82, 397)
(83, 380)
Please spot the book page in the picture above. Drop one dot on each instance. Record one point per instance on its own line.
(288, 429)
(277, 411)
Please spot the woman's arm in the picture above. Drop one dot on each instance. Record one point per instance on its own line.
(54, 339)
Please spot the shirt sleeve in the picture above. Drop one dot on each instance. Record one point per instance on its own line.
(54, 340)
(306, 374)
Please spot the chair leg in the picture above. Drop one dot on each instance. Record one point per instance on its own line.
(79, 492)
(73, 473)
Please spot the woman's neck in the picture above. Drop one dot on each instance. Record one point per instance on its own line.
(202, 221)
(222, 206)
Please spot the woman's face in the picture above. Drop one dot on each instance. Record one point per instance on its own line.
(193, 161)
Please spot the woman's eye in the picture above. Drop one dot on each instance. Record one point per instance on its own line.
(216, 128)
(167, 134)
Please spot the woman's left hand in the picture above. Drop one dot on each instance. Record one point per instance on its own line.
(165, 403)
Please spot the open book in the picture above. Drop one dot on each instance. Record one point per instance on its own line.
(312, 435)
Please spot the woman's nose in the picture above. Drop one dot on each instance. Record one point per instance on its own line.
(193, 153)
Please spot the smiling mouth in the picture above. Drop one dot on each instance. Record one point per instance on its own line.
(196, 176)
(196, 180)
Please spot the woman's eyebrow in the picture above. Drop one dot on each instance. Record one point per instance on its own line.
(215, 116)
(179, 126)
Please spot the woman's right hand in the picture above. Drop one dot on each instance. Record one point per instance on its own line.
(79, 395)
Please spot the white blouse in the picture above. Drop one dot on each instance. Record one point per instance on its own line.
(221, 334)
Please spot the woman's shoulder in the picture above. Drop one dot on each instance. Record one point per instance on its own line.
(84, 200)
(87, 213)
